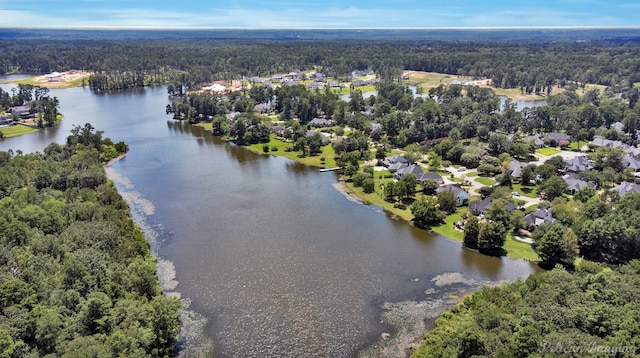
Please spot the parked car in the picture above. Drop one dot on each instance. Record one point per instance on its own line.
(461, 169)
(515, 193)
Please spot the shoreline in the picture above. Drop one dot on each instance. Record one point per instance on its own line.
(193, 341)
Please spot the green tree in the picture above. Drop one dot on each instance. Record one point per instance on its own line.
(555, 245)
(425, 212)
(410, 183)
(368, 186)
(447, 201)
(553, 187)
(471, 232)
(492, 237)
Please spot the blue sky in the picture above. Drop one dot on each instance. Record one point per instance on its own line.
(318, 14)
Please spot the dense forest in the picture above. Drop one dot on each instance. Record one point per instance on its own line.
(593, 312)
(77, 277)
(191, 62)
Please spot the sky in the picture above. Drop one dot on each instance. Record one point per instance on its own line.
(319, 14)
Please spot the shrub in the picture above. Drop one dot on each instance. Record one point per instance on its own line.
(265, 148)
(274, 149)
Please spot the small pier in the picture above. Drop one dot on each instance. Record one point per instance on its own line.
(329, 169)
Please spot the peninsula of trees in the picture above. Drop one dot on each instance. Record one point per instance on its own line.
(77, 276)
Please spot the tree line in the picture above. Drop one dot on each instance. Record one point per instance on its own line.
(533, 67)
(590, 313)
(77, 277)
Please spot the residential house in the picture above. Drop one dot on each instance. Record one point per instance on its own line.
(619, 126)
(539, 217)
(418, 172)
(560, 139)
(277, 130)
(319, 77)
(375, 125)
(262, 107)
(321, 122)
(358, 83)
(462, 197)
(256, 79)
(515, 167)
(574, 184)
(460, 82)
(578, 164)
(601, 142)
(537, 141)
(269, 84)
(396, 158)
(334, 84)
(325, 138)
(626, 187)
(315, 85)
(358, 73)
(479, 207)
(289, 82)
(21, 111)
(631, 162)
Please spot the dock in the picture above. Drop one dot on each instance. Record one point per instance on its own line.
(329, 169)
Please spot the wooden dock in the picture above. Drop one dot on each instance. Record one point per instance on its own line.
(329, 169)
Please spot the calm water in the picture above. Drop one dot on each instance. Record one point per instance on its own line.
(276, 260)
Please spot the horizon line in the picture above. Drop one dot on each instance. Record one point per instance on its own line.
(637, 27)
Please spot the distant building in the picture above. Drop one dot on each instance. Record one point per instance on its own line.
(54, 77)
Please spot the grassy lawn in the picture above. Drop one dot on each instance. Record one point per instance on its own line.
(519, 250)
(528, 191)
(375, 198)
(447, 228)
(327, 153)
(515, 249)
(471, 174)
(485, 181)
(16, 130)
(547, 152)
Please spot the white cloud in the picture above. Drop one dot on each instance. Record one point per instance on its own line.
(349, 17)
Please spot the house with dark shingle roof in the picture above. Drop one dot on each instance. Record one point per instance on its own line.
(515, 167)
(631, 162)
(537, 141)
(626, 187)
(479, 207)
(396, 158)
(418, 172)
(539, 217)
(574, 185)
(462, 197)
(578, 164)
(321, 122)
(325, 139)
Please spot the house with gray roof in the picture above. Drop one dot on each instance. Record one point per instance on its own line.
(578, 164)
(21, 111)
(574, 185)
(323, 136)
(396, 158)
(537, 141)
(631, 162)
(626, 187)
(539, 217)
(479, 207)
(515, 167)
(321, 122)
(619, 126)
(418, 172)
(462, 197)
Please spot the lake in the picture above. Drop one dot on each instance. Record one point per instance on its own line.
(271, 258)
